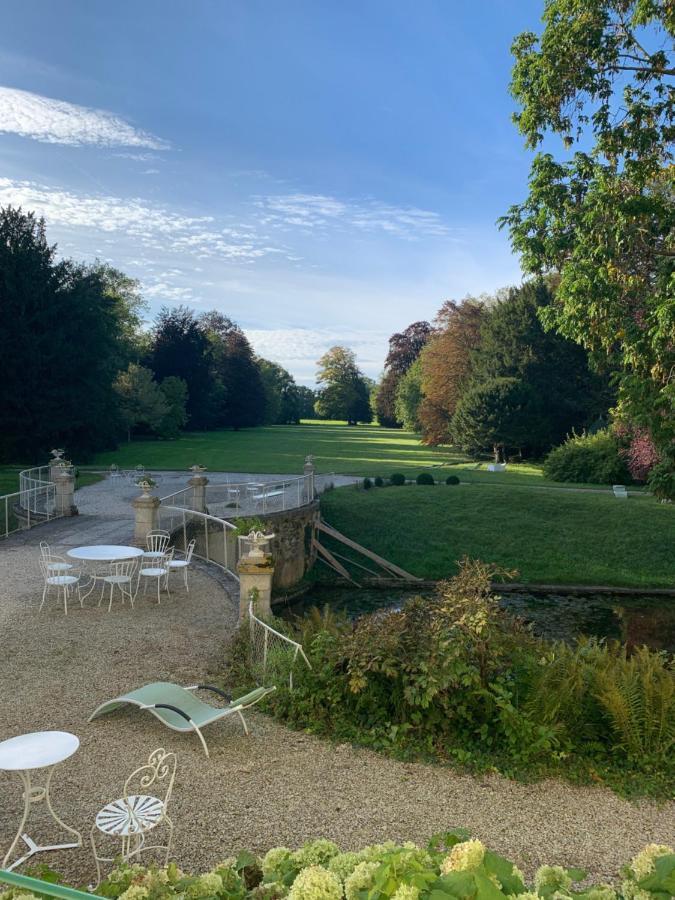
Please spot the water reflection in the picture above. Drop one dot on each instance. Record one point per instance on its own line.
(632, 620)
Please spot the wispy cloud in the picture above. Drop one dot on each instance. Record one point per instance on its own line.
(153, 226)
(320, 212)
(58, 122)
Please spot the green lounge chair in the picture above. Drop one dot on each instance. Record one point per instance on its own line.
(178, 708)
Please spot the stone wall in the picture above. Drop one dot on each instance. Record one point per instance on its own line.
(292, 544)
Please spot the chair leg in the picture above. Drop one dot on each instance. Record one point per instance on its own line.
(96, 858)
(185, 579)
(65, 599)
(111, 598)
(44, 595)
(243, 721)
(158, 586)
(169, 840)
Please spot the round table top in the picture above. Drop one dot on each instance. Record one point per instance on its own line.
(104, 552)
(37, 750)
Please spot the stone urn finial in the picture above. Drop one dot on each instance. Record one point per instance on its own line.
(197, 470)
(146, 485)
(309, 460)
(57, 454)
(257, 540)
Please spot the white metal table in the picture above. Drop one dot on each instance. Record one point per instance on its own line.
(102, 553)
(23, 755)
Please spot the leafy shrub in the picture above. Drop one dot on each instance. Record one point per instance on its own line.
(246, 524)
(450, 867)
(661, 480)
(593, 458)
(425, 478)
(379, 482)
(452, 479)
(397, 478)
(367, 484)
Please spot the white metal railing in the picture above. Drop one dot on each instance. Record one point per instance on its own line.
(267, 642)
(32, 504)
(248, 498)
(216, 539)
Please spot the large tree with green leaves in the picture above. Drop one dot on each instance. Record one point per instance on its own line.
(282, 405)
(67, 330)
(601, 77)
(344, 391)
(404, 348)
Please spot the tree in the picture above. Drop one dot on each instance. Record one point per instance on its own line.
(181, 348)
(514, 344)
(446, 365)
(404, 348)
(345, 392)
(499, 414)
(306, 400)
(141, 402)
(409, 397)
(281, 394)
(63, 338)
(601, 75)
(175, 394)
(235, 370)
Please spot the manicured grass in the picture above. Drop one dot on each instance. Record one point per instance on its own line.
(336, 447)
(549, 536)
(9, 479)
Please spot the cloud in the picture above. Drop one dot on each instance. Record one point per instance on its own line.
(153, 226)
(320, 212)
(58, 122)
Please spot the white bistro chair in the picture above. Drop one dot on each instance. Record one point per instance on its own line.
(183, 564)
(158, 567)
(121, 575)
(156, 544)
(56, 566)
(138, 813)
(59, 578)
(115, 475)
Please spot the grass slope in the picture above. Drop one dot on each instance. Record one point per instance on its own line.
(550, 536)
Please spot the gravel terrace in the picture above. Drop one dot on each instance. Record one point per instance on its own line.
(274, 787)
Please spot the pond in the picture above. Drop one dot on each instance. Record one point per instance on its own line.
(633, 620)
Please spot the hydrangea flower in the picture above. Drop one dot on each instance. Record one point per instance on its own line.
(135, 892)
(274, 859)
(643, 864)
(271, 890)
(205, 886)
(361, 879)
(552, 877)
(406, 892)
(316, 883)
(601, 892)
(630, 891)
(344, 864)
(464, 857)
(315, 853)
(527, 895)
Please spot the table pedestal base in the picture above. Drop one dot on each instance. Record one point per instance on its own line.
(33, 794)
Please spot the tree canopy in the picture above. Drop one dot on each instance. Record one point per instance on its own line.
(344, 391)
(404, 348)
(600, 76)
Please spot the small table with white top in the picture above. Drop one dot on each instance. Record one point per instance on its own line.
(102, 553)
(23, 755)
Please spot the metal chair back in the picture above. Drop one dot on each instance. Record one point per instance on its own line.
(157, 541)
(156, 776)
(190, 550)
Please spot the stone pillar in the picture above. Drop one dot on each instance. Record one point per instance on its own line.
(309, 472)
(146, 512)
(256, 571)
(64, 504)
(198, 484)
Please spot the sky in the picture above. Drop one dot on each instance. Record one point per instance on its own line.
(322, 171)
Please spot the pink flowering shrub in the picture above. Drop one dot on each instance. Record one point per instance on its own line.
(640, 454)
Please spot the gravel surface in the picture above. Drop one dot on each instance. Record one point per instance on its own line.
(274, 787)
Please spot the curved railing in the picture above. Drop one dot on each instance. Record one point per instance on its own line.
(216, 539)
(249, 498)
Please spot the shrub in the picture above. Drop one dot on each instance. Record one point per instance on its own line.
(397, 478)
(425, 478)
(661, 480)
(452, 479)
(594, 458)
(367, 484)
(379, 482)
(450, 867)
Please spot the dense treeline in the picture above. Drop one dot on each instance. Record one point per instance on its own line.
(487, 376)
(80, 370)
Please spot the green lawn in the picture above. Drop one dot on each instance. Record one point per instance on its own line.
(556, 537)
(338, 448)
(9, 479)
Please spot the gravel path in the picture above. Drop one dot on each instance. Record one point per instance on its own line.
(275, 787)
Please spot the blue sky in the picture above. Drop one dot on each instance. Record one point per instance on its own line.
(322, 172)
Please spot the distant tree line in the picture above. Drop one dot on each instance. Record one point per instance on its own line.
(81, 371)
(486, 376)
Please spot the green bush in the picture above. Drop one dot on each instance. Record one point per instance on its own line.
(397, 478)
(452, 479)
(425, 478)
(661, 480)
(379, 482)
(455, 678)
(367, 484)
(592, 458)
(450, 867)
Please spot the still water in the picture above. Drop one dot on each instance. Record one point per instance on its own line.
(633, 620)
